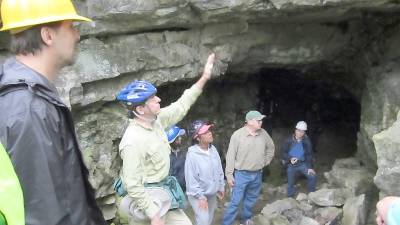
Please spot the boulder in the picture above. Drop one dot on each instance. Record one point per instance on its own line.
(354, 211)
(330, 197)
(278, 207)
(327, 214)
(308, 221)
(349, 173)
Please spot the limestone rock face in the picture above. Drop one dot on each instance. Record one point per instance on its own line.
(380, 119)
(387, 149)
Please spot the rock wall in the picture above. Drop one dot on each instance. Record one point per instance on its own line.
(380, 100)
(387, 147)
(349, 42)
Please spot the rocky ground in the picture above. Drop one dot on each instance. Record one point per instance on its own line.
(344, 199)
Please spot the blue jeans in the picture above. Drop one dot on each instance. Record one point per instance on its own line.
(247, 189)
(291, 174)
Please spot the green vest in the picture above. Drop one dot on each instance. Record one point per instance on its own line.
(2, 219)
(11, 197)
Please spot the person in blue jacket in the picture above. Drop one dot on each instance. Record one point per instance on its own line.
(178, 155)
(298, 157)
(203, 173)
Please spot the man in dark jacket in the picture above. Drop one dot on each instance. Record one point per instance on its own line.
(298, 157)
(36, 127)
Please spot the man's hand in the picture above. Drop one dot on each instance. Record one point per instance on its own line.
(157, 220)
(209, 66)
(311, 171)
(220, 195)
(203, 204)
(231, 182)
(207, 71)
(293, 161)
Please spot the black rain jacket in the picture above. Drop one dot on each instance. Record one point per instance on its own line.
(37, 130)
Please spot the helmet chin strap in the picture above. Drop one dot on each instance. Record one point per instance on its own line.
(144, 118)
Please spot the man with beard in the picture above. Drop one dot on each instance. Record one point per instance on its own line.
(36, 127)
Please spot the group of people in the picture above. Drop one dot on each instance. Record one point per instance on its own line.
(245, 159)
(43, 177)
(150, 156)
(201, 173)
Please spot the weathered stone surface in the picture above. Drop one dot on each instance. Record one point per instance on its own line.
(103, 66)
(330, 197)
(301, 197)
(349, 173)
(306, 208)
(293, 215)
(308, 221)
(279, 220)
(387, 145)
(98, 139)
(278, 207)
(380, 100)
(354, 211)
(136, 16)
(261, 220)
(327, 215)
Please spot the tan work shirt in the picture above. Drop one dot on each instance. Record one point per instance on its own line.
(248, 152)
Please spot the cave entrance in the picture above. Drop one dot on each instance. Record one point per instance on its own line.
(332, 113)
(286, 97)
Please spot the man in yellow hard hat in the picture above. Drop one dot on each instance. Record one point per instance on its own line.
(36, 127)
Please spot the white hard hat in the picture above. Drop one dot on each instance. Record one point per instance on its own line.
(301, 125)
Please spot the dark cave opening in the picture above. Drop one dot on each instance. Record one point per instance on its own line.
(331, 112)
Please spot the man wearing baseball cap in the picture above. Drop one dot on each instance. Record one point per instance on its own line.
(298, 156)
(250, 150)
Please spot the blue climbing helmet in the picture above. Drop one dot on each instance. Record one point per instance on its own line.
(174, 132)
(136, 92)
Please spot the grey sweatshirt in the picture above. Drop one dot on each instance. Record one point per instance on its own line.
(203, 172)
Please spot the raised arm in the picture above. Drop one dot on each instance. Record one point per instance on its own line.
(175, 112)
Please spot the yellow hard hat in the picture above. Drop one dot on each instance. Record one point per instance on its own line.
(22, 14)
